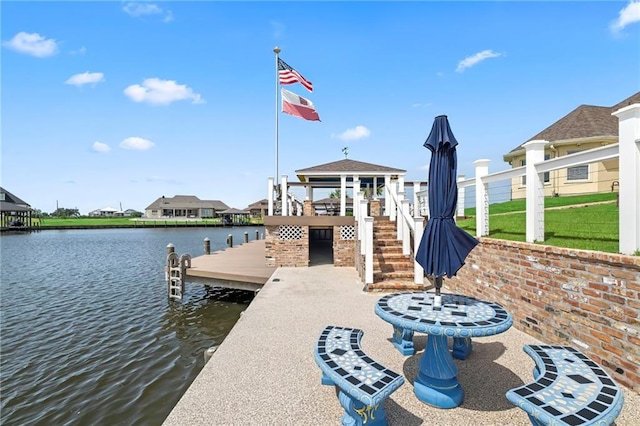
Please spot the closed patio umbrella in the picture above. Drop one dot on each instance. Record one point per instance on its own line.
(444, 246)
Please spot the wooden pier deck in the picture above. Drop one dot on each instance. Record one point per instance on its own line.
(242, 267)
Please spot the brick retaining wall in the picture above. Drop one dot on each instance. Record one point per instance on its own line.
(587, 299)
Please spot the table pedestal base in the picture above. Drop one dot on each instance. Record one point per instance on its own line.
(462, 347)
(403, 340)
(437, 382)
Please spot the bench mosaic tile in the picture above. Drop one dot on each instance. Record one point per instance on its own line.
(339, 356)
(570, 389)
(459, 315)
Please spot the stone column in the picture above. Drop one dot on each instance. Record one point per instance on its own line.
(375, 208)
(307, 208)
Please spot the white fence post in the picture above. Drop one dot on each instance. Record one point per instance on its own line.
(368, 256)
(270, 196)
(418, 272)
(482, 194)
(392, 208)
(534, 191)
(387, 197)
(284, 202)
(460, 209)
(416, 199)
(343, 195)
(406, 232)
(629, 178)
(399, 218)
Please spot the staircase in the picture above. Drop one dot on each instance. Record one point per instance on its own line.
(392, 271)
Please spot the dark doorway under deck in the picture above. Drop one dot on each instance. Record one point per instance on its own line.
(320, 246)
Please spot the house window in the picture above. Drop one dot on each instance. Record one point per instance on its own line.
(546, 177)
(154, 212)
(546, 174)
(1, 196)
(577, 172)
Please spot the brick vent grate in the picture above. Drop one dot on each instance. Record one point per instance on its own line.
(290, 232)
(347, 232)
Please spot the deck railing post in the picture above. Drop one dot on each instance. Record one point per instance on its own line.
(534, 191)
(270, 196)
(416, 199)
(629, 186)
(460, 209)
(368, 257)
(284, 202)
(406, 232)
(418, 272)
(482, 194)
(387, 197)
(399, 218)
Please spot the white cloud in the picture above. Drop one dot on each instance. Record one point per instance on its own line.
(137, 144)
(101, 147)
(628, 15)
(161, 92)
(358, 132)
(32, 44)
(472, 60)
(80, 51)
(85, 78)
(137, 9)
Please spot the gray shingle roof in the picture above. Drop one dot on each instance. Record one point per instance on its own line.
(347, 166)
(234, 211)
(187, 201)
(586, 121)
(12, 200)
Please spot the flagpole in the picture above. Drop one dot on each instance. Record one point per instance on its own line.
(276, 51)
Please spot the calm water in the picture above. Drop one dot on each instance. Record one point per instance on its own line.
(88, 336)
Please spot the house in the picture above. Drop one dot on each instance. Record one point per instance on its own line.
(586, 127)
(184, 206)
(106, 212)
(259, 208)
(14, 212)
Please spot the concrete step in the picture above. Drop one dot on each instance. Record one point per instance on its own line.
(401, 275)
(383, 250)
(387, 242)
(393, 285)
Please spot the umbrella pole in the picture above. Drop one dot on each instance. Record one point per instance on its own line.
(437, 300)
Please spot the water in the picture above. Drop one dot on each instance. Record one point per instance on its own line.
(88, 335)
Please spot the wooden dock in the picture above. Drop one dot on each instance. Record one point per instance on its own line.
(242, 267)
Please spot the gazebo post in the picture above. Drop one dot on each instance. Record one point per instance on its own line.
(343, 195)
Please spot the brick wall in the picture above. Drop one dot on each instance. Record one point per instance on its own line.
(587, 299)
(343, 249)
(282, 250)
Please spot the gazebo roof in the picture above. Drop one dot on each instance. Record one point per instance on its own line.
(10, 202)
(331, 172)
(234, 211)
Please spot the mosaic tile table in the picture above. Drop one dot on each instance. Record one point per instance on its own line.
(460, 317)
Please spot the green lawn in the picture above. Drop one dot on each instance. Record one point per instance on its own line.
(590, 228)
(520, 205)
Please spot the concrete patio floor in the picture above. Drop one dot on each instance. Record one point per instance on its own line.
(264, 372)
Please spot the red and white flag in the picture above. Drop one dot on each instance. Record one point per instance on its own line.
(289, 76)
(298, 106)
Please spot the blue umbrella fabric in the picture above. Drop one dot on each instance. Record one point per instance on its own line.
(444, 246)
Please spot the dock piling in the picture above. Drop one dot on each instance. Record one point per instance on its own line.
(230, 241)
(257, 234)
(246, 237)
(207, 246)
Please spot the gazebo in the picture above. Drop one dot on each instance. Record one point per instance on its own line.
(340, 175)
(234, 216)
(14, 212)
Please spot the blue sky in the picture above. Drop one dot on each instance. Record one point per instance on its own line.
(109, 103)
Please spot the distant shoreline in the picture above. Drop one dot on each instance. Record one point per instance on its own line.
(158, 225)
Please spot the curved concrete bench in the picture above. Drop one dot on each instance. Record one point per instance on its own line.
(363, 383)
(570, 389)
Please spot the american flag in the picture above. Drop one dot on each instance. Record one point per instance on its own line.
(289, 76)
